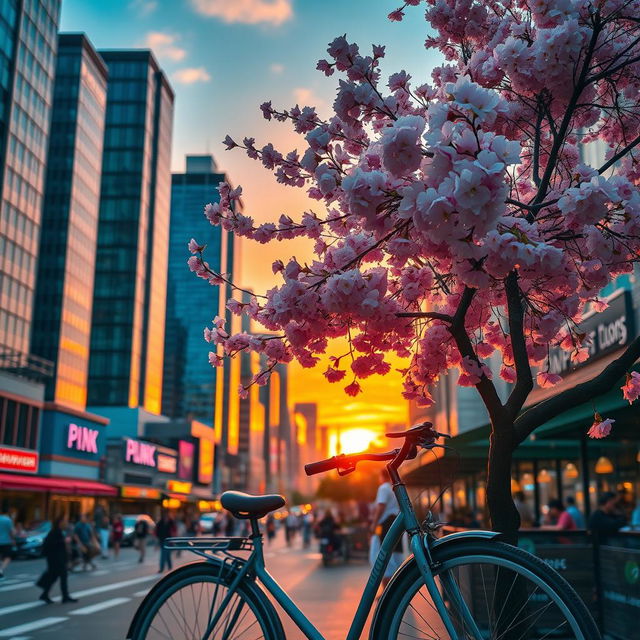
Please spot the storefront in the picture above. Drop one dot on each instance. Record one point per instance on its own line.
(558, 460)
(63, 478)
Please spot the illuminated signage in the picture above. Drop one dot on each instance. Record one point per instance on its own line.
(185, 459)
(205, 462)
(175, 486)
(82, 439)
(141, 453)
(13, 459)
(140, 492)
(167, 464)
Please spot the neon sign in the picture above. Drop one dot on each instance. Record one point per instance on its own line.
(140, 453)
(82, 439)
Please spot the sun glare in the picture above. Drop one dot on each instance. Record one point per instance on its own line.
(355, 440)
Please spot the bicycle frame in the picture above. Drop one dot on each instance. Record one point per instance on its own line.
(405, 521)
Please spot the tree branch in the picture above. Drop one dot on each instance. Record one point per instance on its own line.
(620, 154)
(524, 379)
(430, 315)
(584, 392)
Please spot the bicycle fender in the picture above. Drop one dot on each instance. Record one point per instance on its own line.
(452, 538)
(172, 575)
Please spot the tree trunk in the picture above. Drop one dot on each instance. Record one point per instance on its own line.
(502, 511)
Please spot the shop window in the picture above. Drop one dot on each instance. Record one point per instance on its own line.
(33, 431)
(10, 417)
(21, 432)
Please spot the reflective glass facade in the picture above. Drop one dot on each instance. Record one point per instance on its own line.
(189, 387)
(125, 367)
(64, 291)
(28, 42)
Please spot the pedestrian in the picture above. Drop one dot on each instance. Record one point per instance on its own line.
(524, 510)
(307, 526)
(101, 524)
(165, 528)
(86, 540)
(117, 533)
(290, 524)
(54, 549)
(635, 518)
(141, 532)
(192, 526)
(559, 518)
(575, 513)
(607, 519)
(7, 541)
(384, 513)
(270, 527)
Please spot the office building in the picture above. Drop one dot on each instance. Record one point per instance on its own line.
(127, 333)
(28, 38)
(189, 385)
(66, 261)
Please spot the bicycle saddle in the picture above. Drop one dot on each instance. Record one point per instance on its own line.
(243, 506)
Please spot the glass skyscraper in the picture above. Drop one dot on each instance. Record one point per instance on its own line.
(28, 42)
(190, 382)
(64, 291)
(127, 338)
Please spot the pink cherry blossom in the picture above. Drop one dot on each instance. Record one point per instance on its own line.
(600, 428)
(631, 387)
(433, 193)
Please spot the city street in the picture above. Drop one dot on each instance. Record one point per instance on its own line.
(108, 597)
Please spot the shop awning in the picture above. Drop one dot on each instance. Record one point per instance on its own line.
(67, 486)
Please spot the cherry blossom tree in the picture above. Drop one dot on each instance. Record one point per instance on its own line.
(459, 222)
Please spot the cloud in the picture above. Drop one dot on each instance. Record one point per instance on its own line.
(164, 45)
(143, 7)
(191, 75)
(276, 68)
(306, 97)
(273, 12)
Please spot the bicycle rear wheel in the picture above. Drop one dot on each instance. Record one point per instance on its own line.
(492, 591)
(182, 606)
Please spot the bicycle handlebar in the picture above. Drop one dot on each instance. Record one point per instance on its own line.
(422, 435)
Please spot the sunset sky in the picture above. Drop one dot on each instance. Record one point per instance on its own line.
(224, 58)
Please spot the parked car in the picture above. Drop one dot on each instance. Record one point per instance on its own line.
(29, 542)
(207, 522)
(129, 522)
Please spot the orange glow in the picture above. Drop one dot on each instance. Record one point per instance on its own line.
(354, 440)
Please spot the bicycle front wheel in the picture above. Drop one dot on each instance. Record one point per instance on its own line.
(492, 591)
(183, 606)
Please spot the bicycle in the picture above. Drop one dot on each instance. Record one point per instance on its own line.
(464, 586)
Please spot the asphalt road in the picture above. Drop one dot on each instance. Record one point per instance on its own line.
(109, 596)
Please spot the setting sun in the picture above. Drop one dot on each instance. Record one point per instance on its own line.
(353, 440)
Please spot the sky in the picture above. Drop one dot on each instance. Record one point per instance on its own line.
(223, 59)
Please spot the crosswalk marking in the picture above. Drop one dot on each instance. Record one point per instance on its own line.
(111, 587)
(92, 608)
(141, 594)
(10, 632)
(79, 594)
(16, 585)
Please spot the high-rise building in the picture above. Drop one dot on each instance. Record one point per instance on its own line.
(189, 386)
(28, 42)
(128, 324)
(67, 256)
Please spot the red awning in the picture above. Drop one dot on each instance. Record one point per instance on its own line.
(68, 486)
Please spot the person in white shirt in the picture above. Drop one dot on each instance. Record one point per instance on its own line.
(384, 513)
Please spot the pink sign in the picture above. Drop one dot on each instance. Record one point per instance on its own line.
(186, 453)
(140, 453)
(82, 439)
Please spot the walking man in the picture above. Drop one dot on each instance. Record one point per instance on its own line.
(54, 549)
(101, 522)
(86, 540)
(165, 528)
(141, 531)
(385, 511)
(7, 540)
